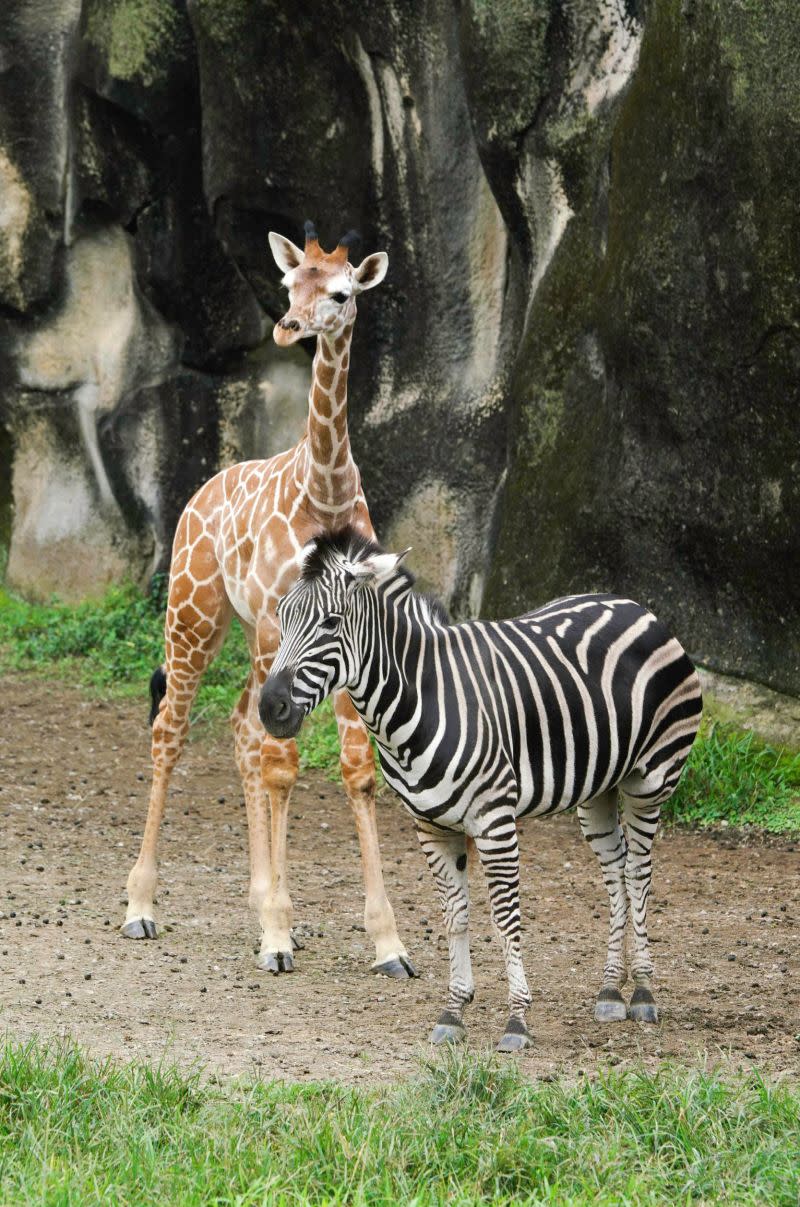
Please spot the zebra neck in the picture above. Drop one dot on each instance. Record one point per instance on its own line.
(396, 655)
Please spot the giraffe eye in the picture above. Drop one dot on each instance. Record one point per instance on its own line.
(339, 297)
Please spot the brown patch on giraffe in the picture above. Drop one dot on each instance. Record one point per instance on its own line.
(340, 428)
(188, 616)
(208, 597)
(194, 527)
(323, 405)
(325, 377)
(342, 457)
(324, 445)
(341, 388)
(180, 591)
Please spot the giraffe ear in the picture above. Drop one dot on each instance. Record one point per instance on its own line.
(287, 254)
(371, 271)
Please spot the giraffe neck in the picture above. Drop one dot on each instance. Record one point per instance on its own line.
(331, 481)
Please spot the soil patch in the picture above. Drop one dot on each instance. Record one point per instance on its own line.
(725, 921)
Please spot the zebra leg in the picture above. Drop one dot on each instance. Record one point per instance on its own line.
(446, 853)
(499, 854)
(640, 818)
(601, 828)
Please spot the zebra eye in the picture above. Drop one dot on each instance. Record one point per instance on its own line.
(339, 297)
(330, 624)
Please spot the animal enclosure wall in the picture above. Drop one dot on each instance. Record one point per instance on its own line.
(582, 369)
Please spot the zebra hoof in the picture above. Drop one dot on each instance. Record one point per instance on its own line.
(276, 962)
(449, 1029)
(610, 1007)
(139, 928)
(399, 968)
(643, 1006)
(516, 1037)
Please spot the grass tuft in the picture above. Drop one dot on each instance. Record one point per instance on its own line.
(467, 1129)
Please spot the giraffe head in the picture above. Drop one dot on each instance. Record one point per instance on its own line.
(322, 286)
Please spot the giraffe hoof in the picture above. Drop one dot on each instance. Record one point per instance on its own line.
(139, 928)
(398, 967)
(610, 1007)
(276, 962)
(643, 1007)
(449, 1029)
(516, 1037)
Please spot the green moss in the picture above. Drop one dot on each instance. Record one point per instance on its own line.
(133, 36)
(227, 21)
(506, 44)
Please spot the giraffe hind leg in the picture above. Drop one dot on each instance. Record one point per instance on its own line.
(198, 615)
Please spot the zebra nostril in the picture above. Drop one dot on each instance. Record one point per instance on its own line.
(282, 710)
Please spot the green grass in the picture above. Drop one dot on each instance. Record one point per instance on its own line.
(114, 644)
(465, 1129)
(733, 777)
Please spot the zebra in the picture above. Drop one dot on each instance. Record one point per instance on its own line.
(585, 702)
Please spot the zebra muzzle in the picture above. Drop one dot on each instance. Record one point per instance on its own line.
(280, 716)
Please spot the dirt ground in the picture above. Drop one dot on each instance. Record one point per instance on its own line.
(74, 774)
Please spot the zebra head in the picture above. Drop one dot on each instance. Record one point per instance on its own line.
(319, 618)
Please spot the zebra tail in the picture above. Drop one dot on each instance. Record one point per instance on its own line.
(158, 690)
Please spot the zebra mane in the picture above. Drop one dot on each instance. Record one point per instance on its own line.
(347, 544)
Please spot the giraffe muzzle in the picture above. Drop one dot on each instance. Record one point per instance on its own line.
(287, 331)
(280, 716)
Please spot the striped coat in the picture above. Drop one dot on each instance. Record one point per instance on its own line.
(587, 702)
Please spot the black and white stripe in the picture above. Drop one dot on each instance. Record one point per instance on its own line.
(587, 702)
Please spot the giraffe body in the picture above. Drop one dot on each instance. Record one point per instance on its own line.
(237, 550)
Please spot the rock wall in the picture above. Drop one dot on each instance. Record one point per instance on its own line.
(582, 369)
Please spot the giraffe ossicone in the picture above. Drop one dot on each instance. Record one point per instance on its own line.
(237, 549)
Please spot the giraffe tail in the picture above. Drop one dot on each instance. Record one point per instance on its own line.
(158, 690)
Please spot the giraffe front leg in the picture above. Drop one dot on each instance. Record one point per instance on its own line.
(248, 736)
(600, 827)
(446, 853)
(498, 848)
(358, 773)
(279, 763)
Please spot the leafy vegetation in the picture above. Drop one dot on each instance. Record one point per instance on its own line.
(466, 1129)
(734, 778)
(113, 645)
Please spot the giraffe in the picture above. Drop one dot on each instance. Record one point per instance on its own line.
(236, 551)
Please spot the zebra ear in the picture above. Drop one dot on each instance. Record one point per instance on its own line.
(377, 567)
